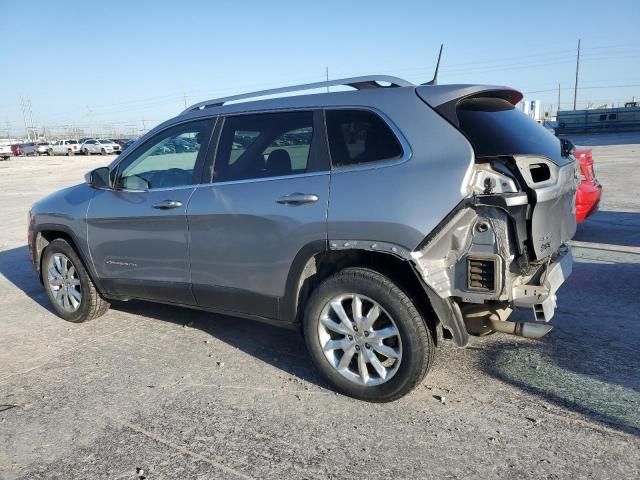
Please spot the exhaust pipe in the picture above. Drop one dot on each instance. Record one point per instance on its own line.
(522, 329)
(483, 320)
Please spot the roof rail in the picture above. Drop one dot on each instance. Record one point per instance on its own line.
(359, 83)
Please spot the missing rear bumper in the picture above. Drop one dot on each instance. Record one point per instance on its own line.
(542, 298)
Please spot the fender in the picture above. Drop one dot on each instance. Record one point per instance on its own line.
(78, 247)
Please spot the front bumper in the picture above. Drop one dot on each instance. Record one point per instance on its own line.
(541, 296)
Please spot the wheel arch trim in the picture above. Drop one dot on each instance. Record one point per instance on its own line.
(75, 244)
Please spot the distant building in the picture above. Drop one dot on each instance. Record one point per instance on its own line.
(622, 119)
(533, 108)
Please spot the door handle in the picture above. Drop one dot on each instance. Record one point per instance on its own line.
(297, 199)
(167, 204)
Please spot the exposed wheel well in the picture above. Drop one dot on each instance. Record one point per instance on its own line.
(325, 264)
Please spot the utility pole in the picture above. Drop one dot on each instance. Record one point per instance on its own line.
(326, 69)
(575, 90)
(24, 117)
(558, 100)
(144, 127)
(33, 128)
(184, 98)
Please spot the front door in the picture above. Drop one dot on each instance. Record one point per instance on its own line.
(137, 232)
(267, 201)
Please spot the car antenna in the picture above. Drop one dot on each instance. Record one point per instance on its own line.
(434, 80)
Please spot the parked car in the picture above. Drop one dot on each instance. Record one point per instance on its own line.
(16, 149)
(6, 151)
(120, 141)
(101, 146)
(29, 148)
(589, 189)
(64, 147)
(401, 209)
(129, 143)
(43, 148)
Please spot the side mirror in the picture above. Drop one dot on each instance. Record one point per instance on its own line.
(98, 178)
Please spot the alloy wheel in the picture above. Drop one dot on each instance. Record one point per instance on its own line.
(64, 282)
(360, 339)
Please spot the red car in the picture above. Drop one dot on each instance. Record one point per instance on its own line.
(589, 190)
(16, 149)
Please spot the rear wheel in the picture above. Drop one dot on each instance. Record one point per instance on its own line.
(86, 151)
(70, 289)
(366, 336)
(103, 152)
(50, 152)
(71, 152)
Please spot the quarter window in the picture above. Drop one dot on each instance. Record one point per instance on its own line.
(264, 145)
(360, 136)
(165, 161)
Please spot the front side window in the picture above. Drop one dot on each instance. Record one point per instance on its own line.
(264, 145)
(166, 160)
(360, 136)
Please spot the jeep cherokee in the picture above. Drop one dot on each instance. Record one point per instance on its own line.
(369, 218)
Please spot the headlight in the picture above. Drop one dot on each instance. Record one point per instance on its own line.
(486, 181)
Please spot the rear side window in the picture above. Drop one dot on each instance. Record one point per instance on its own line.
(360, 136)
(265, 145)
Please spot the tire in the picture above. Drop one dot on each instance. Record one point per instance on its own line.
(103, 152)
(90, 304)
(413, 343)
(86, 152)
(50, 153)
(71, 153)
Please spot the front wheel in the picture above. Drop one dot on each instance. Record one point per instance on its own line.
(70, 289)
(86, 152)
(366, 336)
(103, 152)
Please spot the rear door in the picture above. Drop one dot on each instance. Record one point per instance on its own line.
(267, 200)
(137, 231)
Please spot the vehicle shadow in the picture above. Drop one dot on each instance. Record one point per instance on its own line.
(283, 348)
(280, 347)
(614, 228)
(16, 268)
(589, 362)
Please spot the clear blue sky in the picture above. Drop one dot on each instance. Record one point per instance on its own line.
(117, 62)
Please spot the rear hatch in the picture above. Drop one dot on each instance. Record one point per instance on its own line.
(502, 134)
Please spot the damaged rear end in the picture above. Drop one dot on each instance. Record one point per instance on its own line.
(504, 246)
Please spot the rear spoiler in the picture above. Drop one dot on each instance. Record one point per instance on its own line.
(445, 98)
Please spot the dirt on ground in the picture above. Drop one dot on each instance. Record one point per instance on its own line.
(164, 392)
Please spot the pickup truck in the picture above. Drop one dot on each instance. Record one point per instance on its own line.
(64, 147)
(5, 151)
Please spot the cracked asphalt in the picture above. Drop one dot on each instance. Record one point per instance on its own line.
(165, 392)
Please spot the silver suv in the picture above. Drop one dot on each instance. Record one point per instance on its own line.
(369, 219)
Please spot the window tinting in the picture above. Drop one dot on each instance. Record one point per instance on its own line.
(494, 128)
(360, 136)
(264, 145)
